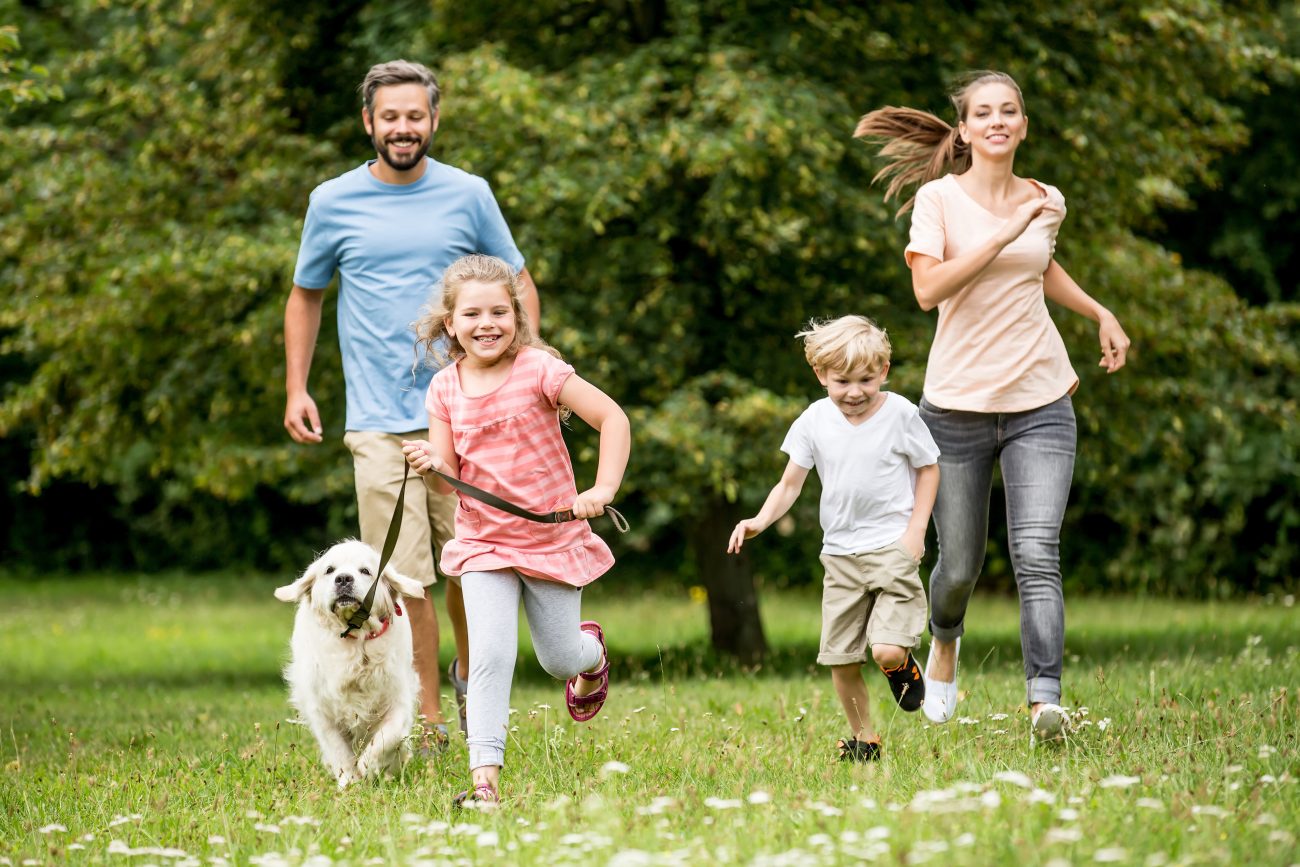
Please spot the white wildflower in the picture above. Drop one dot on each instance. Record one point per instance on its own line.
(722, 803)
(968, 720)
(1119, 781)
(1040, 796)
(997, 717)
(488, 838)
(1063, 835)
(967, 839)
(759, 797)
(1069, 814)
(613, 768)
(1149, 804)
(991, 799)
(1210, 810)
(1015, 778)
(657, 806)
(52, 827)
(1111, 855)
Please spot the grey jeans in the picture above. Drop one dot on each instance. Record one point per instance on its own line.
(492, 615)
(1036, 452)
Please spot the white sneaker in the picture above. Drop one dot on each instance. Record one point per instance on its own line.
(1049, 723)
(940, 697)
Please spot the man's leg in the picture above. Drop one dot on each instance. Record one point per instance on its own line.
(379, 465)
(442, 523)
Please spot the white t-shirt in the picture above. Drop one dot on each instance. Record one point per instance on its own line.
(868, 471)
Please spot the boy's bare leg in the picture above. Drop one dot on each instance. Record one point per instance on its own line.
(852, 691)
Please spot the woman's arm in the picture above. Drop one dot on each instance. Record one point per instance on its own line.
(934, 281)
(1061, 288)
(601, 412)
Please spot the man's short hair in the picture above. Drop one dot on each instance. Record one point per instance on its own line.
(845, 344)
(398, 72)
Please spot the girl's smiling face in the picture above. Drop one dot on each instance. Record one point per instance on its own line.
(483, 322)
(995, 122)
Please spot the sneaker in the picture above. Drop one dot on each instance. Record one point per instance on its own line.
(461, 686)
(1050, 723)
(907, 684)
(481, 797)
(852, 750)
(940, 696)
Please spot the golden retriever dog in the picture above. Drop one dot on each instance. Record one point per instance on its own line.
(357, 693)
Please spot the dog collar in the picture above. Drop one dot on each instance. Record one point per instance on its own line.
(387, 621)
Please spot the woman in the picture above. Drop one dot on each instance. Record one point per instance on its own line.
(999, 381)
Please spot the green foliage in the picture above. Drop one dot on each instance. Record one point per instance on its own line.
(21, 82)
(682, 179)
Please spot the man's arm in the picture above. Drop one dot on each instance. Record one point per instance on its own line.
(302, 315)
(532, 305)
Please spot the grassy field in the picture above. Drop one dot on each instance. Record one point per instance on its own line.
(144, 722)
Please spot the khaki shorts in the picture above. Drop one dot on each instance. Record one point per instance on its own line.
(875, 597)
(428, 519)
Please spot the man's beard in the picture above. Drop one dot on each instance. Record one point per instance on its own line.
(405, 163)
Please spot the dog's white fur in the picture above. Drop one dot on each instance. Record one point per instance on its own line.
(357, 694)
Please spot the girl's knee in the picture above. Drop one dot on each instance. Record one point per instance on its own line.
(888, 655)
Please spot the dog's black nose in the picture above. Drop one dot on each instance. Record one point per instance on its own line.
(342, 580)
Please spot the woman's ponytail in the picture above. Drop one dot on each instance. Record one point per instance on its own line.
(919, 146)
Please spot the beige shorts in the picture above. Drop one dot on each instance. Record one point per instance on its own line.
(428, 518)
(875, 597)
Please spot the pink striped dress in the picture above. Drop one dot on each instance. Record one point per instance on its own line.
(509, 442)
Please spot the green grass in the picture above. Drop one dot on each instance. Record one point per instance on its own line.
(148, 713)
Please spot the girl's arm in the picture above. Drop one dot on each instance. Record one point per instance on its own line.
(436, 453)
(927, 488)
(934, 281)
(1061, 288)
(601, 412)
(777, 504)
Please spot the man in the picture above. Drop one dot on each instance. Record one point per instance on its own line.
(390, 227)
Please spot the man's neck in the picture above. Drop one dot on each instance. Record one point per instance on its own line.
(389, 175)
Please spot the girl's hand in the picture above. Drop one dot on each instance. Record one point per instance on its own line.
(746, 529)
(592, 502)
(419, 454)
(1023, 216)
(1114, 343)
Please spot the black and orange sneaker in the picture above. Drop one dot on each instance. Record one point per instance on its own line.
(852, 750)
(907, 684)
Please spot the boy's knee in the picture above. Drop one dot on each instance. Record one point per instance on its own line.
(888, 655)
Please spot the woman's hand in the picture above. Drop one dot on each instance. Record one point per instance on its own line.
(1114, 342)
(592, 502)
(419, 454)
(1024, 215)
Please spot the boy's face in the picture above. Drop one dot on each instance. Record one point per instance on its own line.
(854, 392)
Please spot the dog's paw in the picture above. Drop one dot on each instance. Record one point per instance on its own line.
(346, 776)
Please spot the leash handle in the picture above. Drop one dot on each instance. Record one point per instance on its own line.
(362, 614)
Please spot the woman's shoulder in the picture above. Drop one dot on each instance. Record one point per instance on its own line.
(939, 187)
(1048, 190)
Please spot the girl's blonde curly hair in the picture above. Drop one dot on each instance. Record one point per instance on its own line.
(431, 333)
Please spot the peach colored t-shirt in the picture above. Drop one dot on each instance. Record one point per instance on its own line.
(995, 348)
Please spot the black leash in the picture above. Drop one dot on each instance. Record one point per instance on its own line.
(562, 516)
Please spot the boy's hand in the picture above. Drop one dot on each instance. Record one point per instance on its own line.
(746, 529)
(419, 454)
(592, 502)
(913, 543)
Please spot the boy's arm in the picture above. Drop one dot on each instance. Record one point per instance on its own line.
(777, 504)
(927, 487)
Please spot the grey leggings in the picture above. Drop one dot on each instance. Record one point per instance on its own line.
(492, 615)
(1036, 451)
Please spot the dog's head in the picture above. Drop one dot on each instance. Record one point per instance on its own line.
(335, 584)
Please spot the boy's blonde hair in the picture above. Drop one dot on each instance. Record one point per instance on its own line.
(845, 344)
(431, 328)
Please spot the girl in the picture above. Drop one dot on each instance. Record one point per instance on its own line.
(999, 381)
(494, 422)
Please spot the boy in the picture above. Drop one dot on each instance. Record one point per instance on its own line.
(879, 471)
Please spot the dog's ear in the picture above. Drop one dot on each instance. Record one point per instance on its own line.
(300, 588)
(403, 585)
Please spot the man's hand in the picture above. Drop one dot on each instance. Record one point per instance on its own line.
(301, 419)
(746, 529)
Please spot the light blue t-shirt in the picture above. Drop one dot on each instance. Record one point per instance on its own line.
(390, 244)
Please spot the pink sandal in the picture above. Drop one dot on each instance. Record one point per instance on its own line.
(483, 795)
(579, 704)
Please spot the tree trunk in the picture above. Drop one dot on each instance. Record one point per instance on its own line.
(729, 580)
